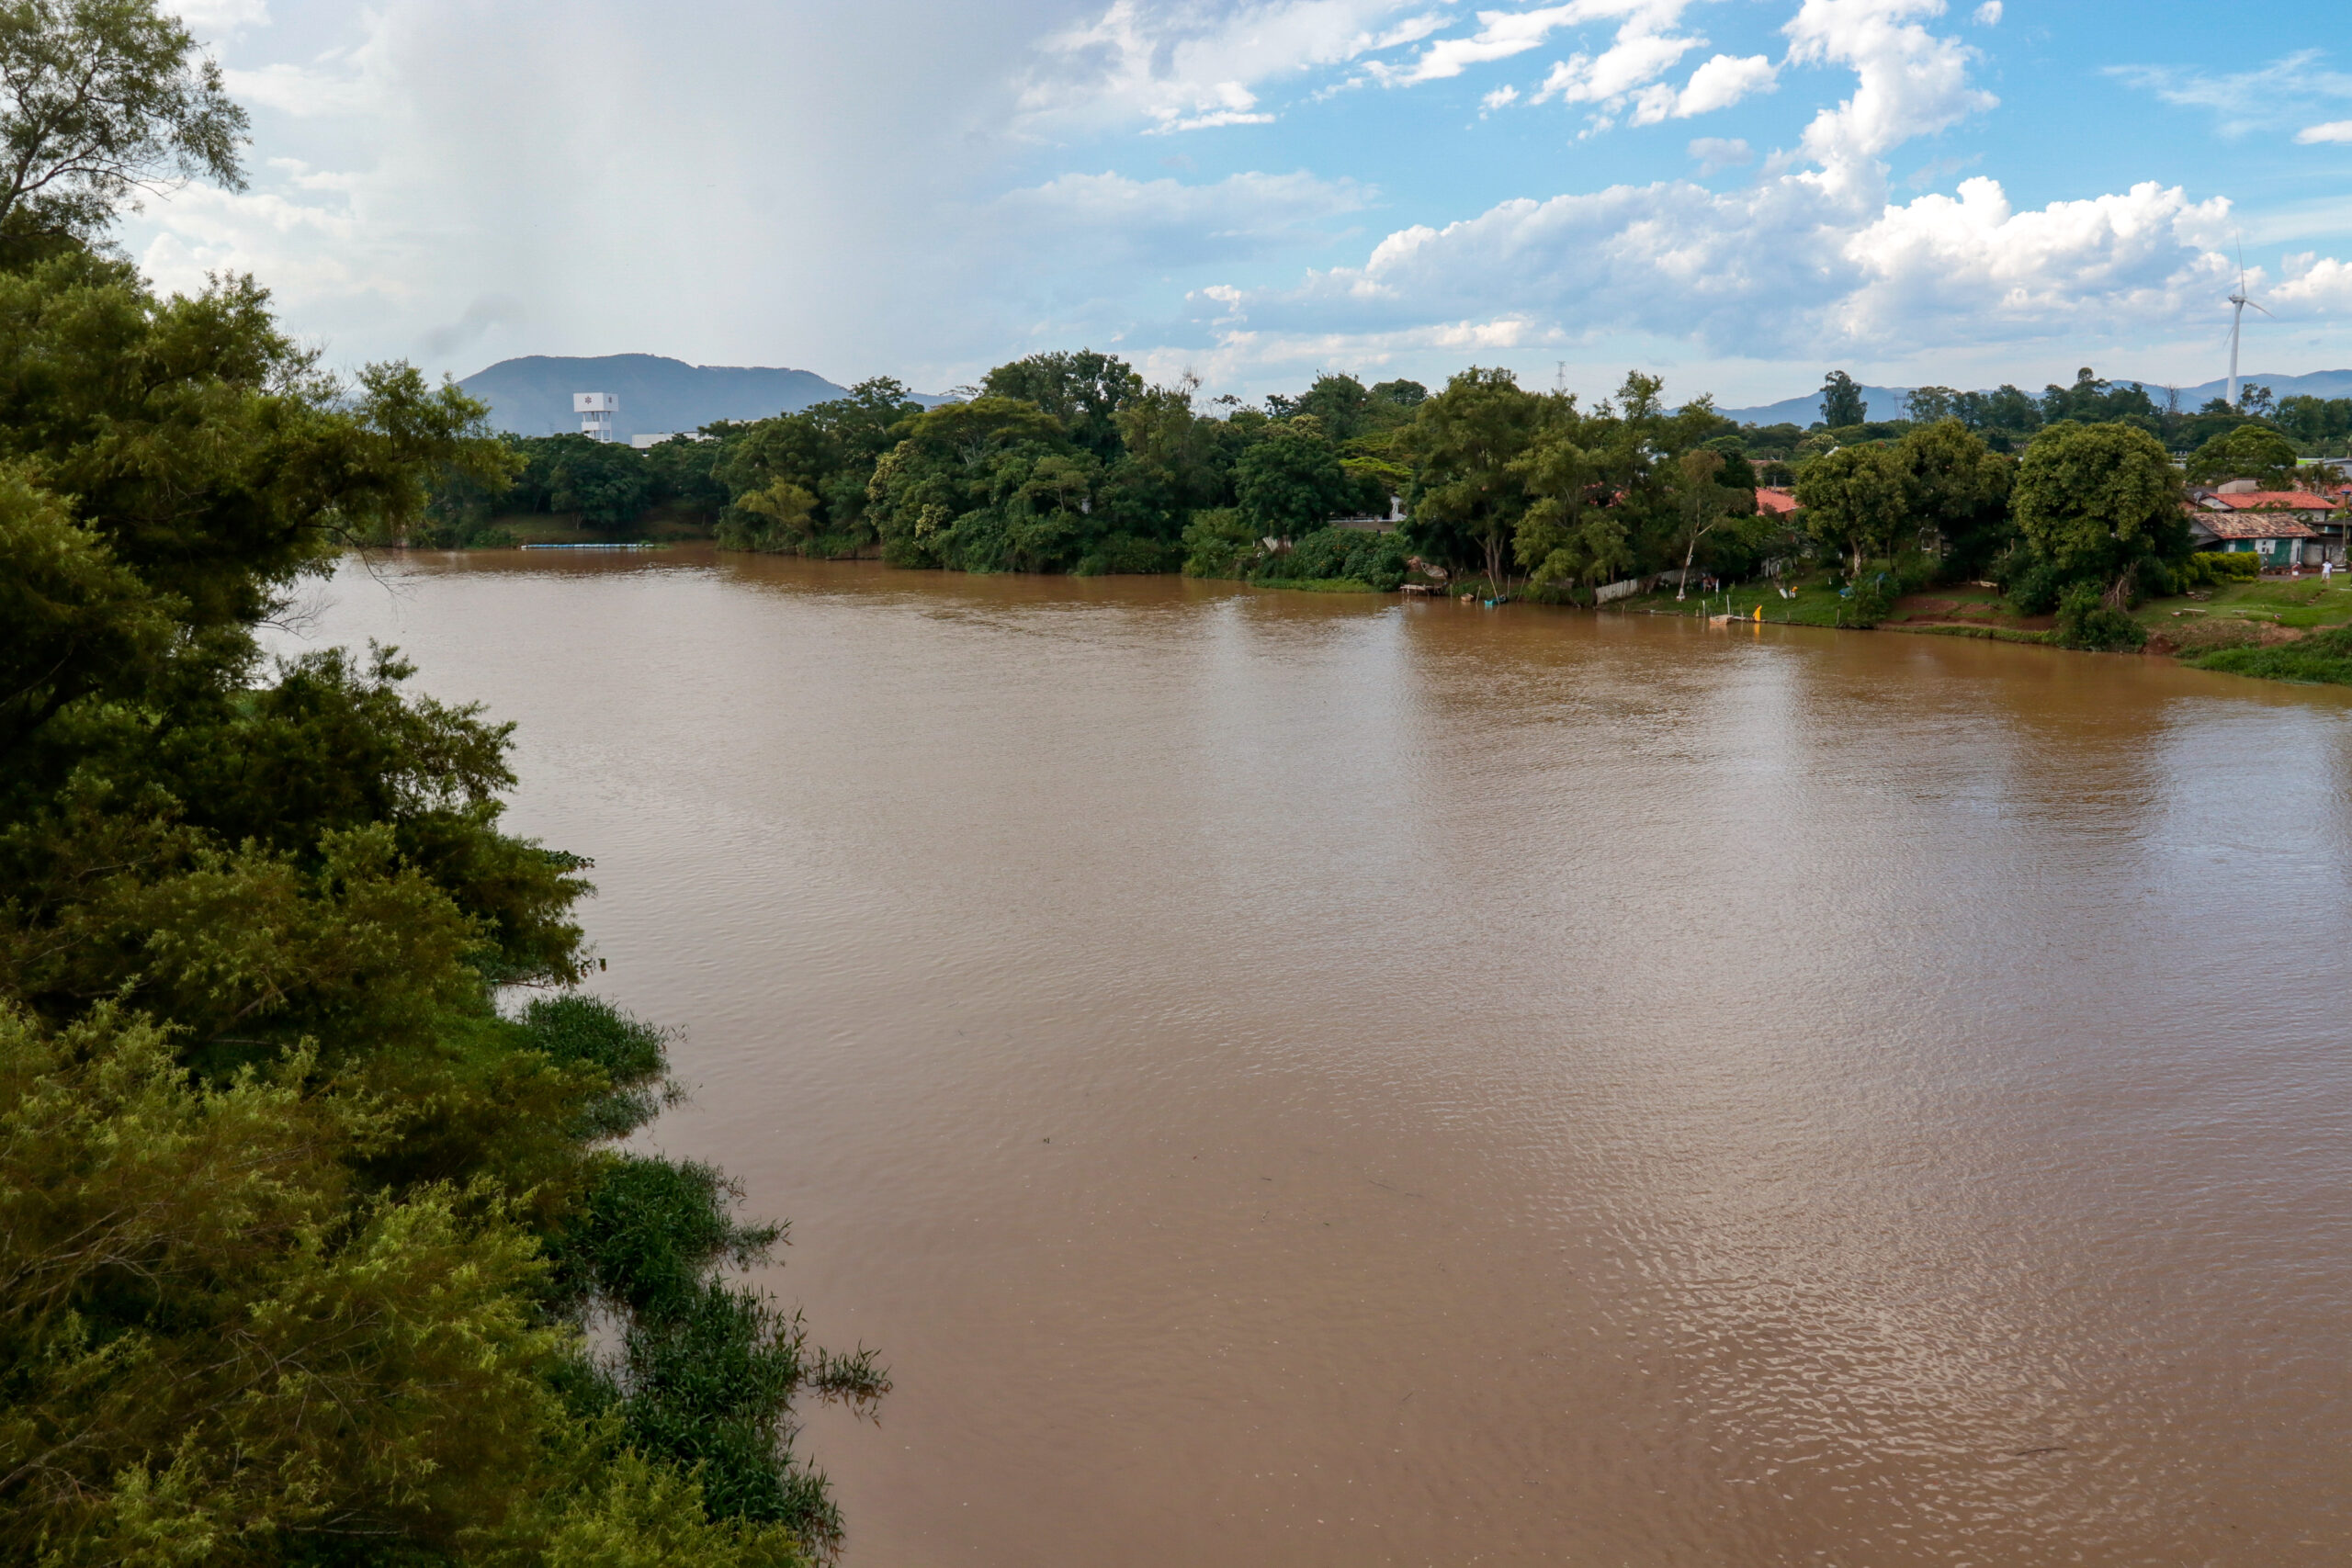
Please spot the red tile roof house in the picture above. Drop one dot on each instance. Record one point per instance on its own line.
(2287, 527)
(1773, 502)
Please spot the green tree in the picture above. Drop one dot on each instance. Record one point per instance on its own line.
(606, 483)
(2005, 417)
(2091, 401)
(1928, 405)
(294, 1224)
(826, 451)
(1084, 390)
(1291, 483)
(954, 491)
(1469, 489)
(2097, 502)
(1959, 487)
(684, 474)
(1854, 501)
(2316, 421)
(1841, 401)
(2252, 452)
(1701, 505)
(1567, 533)
(104, 99)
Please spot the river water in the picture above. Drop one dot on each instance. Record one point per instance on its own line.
(1295, 1079)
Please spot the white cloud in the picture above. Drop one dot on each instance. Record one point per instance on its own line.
(1988, 15)
(2333, 130)
(1607, 78)
(1182, 67)
(1970, 264)
(1501, 97)
(1500, 35)
(1719, 83)
(1909, 81)
(1792, 267)
(2315, 284)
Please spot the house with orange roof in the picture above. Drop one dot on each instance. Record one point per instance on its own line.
(2287, 527)
(1771, 501)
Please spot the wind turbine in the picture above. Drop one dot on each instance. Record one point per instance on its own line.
(2238, 302)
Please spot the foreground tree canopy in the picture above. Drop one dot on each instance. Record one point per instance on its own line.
(299, 1231)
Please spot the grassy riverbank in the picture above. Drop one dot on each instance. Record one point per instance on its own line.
(2280, 628)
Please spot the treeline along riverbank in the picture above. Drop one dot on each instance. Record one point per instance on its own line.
(2072, 508)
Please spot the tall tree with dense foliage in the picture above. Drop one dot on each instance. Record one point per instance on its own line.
(1469, 489)
(2252, 452)
(1854, 500)
(1291, 483)
(1958, 488)
(1842, 404)
(299, 1233)
(2097, 502)
(1084, 390)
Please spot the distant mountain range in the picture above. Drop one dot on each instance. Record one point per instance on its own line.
(1886, 402)
(532, 396)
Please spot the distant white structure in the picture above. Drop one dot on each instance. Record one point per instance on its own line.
(596, 410)
(646, 443)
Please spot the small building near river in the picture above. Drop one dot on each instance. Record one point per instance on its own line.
(2285, 527)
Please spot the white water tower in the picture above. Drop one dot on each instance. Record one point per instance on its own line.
(595, 410)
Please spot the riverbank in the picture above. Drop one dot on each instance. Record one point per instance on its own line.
(2235, 628)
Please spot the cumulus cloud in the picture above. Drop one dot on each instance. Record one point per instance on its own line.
(1988, 15)
(1908, 81)
(1791, 266)
(2315, 284)
(1813, 259)
(2333, 130)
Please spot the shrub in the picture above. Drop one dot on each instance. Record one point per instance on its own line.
(2324, 657)
(2086, 620)
(2033, 587)
(1873, 600)
(1219, 543)
(1126, 554)
(1378, 561)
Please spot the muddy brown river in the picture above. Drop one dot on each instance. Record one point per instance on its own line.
(1295, 1079)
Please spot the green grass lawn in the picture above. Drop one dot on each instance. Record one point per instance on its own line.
(2238, 613)
(1815, 605)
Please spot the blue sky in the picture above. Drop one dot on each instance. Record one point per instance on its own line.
(1738, 193)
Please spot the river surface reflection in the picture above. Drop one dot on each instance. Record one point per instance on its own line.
(1291, 1080)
